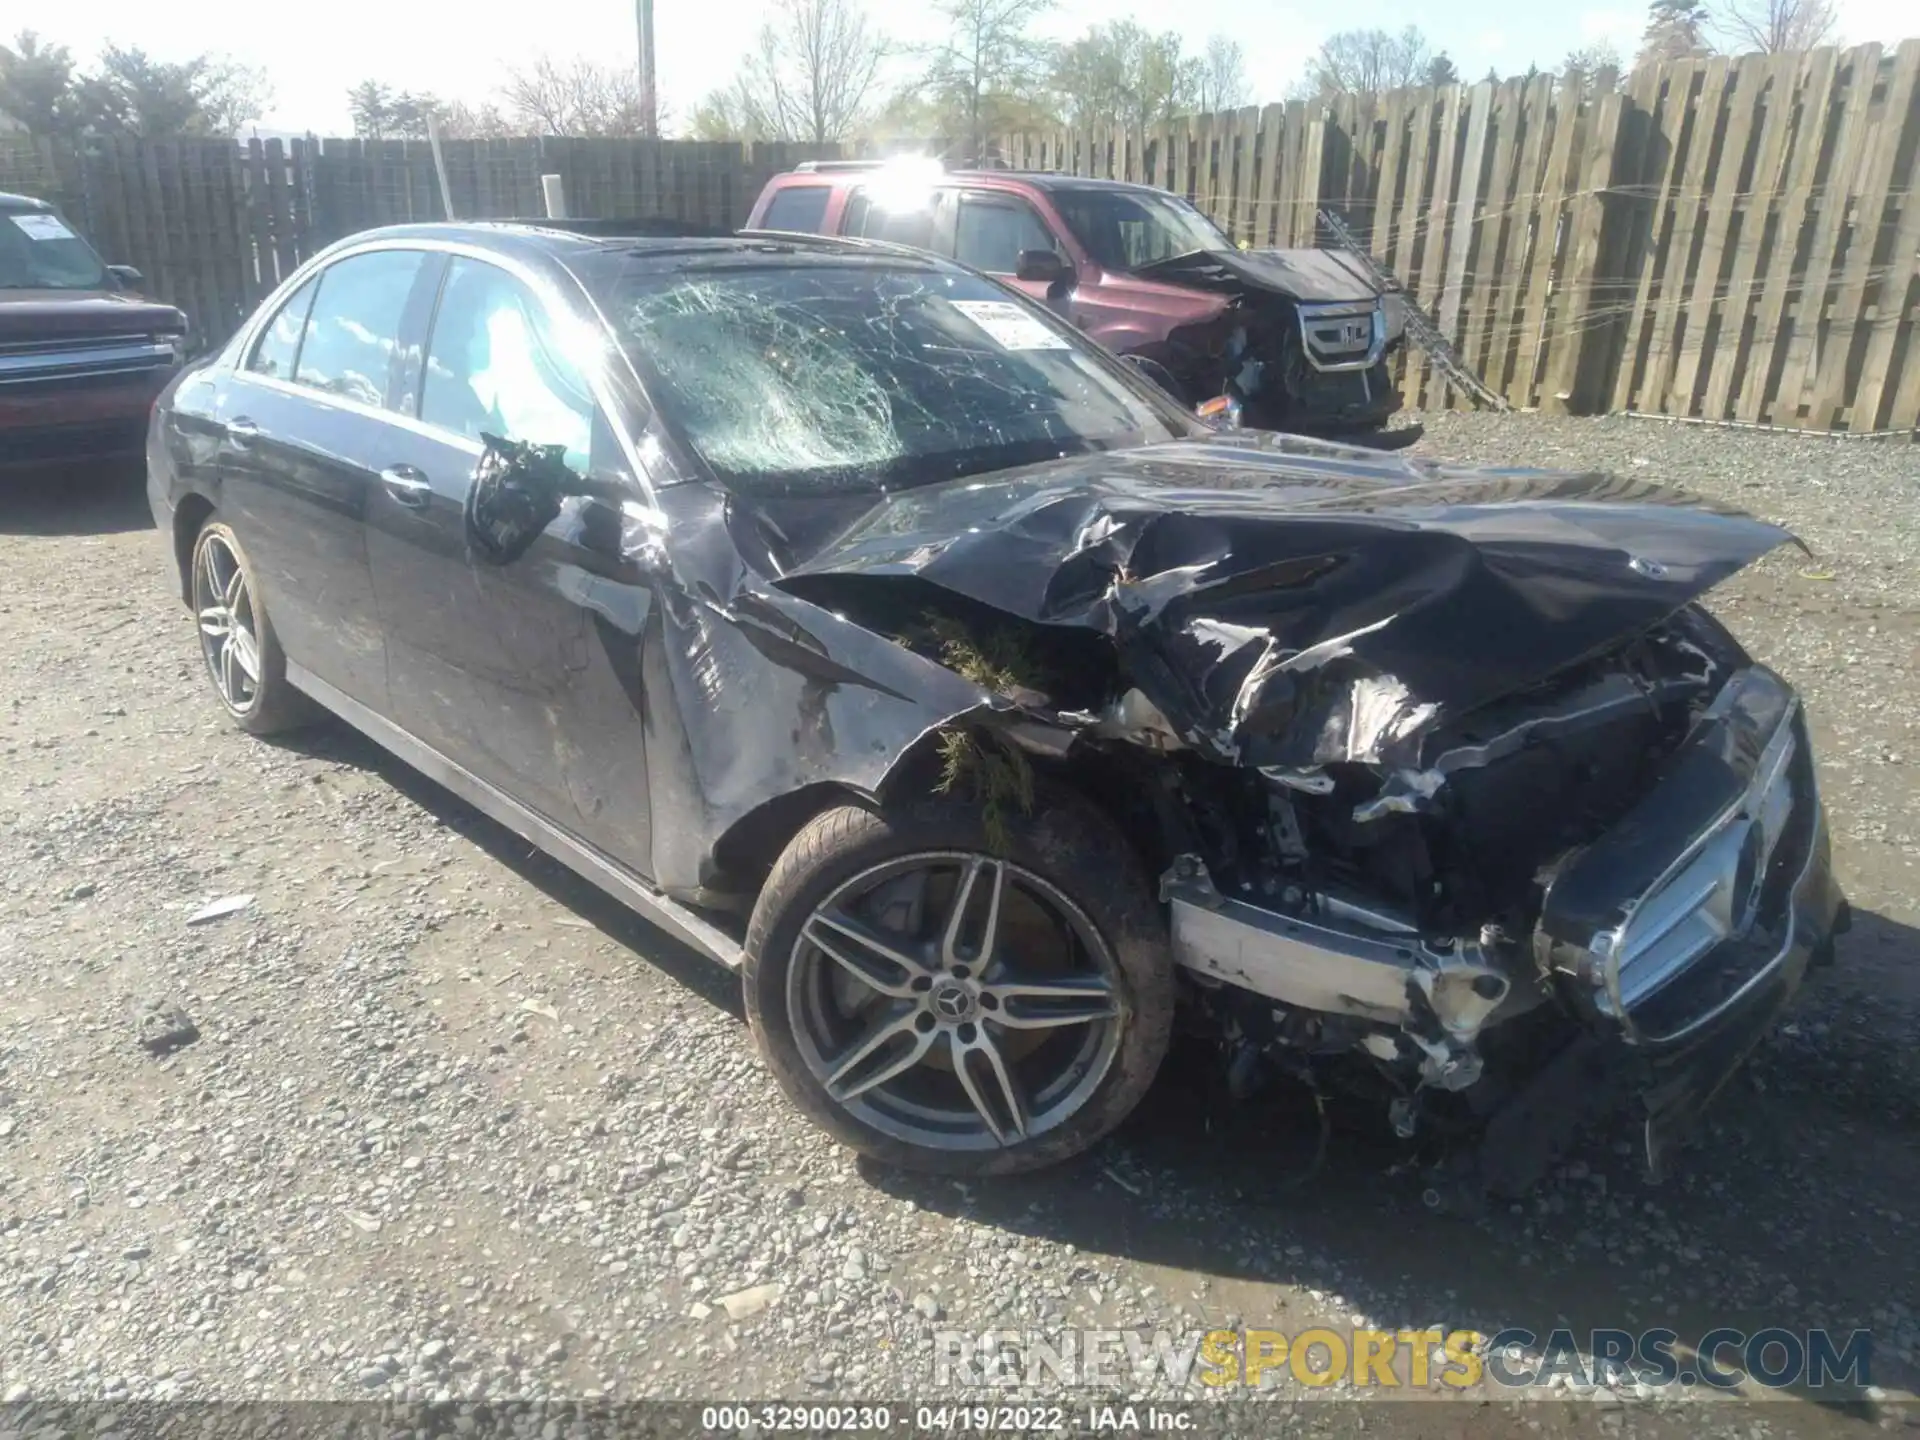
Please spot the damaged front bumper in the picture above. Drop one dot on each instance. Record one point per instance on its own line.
(1673, 940)
(1683, 932)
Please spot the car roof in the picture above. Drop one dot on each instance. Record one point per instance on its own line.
(9, 201)
(854, 172)
(587, 252)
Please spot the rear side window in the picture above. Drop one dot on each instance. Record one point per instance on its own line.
(873, 221)
(799, 208)
(354, 326)
(990, 234)
(279, 344)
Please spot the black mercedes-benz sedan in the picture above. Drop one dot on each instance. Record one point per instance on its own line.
(876, 633)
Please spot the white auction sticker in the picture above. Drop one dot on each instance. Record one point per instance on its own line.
(42, 227)
(1010, 326)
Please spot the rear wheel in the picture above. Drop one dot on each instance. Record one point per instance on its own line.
(942, 1006)
(243, 655)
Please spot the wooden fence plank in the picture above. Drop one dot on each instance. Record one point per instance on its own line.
(1432, 245)
(1832, 201)
(1782, 78)
(1725, 172)
(1892, 319)
(1579, 339)
(1488, 257)
(1870, 220)
(1554, 182)
(1701, 144)
(1659, 172)
(1467, 203)
(1812, 117)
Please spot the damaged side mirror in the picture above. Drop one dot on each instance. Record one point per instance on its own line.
(516, 493)
(1044, 267)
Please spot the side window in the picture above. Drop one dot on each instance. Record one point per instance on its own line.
(872, 221)
(354, 326)
(800, 208)
(493, 366)
(279, 344)
(990, 234)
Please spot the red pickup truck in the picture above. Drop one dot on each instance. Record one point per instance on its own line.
(82, 356)
(1296, 339)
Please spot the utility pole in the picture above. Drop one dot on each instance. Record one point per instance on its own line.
(649, 104)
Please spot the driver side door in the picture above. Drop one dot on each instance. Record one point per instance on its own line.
(494, 665)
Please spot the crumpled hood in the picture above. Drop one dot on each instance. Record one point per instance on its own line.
(1313, 276)
(27, 315)
(1283, 601)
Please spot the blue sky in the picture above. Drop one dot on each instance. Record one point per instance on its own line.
(315, 53)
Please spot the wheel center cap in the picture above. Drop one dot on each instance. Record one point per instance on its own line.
(951, 1001)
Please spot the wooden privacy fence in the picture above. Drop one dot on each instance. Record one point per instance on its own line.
(1733, 239)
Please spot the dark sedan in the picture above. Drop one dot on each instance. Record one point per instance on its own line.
(82, 356)
(867, 628)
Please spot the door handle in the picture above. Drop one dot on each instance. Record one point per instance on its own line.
(407, 485)
(242, 431)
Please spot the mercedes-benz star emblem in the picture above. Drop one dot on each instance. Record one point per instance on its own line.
(952, 1001)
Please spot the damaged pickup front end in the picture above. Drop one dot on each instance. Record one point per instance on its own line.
(1459, 801)
(1304, 343)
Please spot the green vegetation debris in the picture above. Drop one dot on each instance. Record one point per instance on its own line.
(992, 772)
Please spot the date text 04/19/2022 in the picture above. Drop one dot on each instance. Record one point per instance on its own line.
(818, 1419)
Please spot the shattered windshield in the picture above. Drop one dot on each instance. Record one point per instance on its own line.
(39, 252)
(1126, 229)
(842, 376)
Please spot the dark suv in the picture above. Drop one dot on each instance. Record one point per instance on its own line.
(1295, 339)
(82, 357)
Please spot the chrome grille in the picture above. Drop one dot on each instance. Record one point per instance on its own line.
(1347, 335)
(1713, 894)
(73, 358)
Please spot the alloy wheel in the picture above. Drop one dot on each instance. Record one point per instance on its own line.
(229, 628)
(955, 1001)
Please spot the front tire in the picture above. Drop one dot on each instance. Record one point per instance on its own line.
(243, 655)
(941, 1006)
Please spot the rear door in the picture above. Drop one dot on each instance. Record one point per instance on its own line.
(800, 209)
(899, 215)
(493, 665)
(303, 421)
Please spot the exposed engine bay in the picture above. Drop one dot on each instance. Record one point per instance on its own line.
(1305, 343)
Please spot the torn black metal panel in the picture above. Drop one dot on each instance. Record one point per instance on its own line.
(1312, 276)
(769, 694)
(1288, 602)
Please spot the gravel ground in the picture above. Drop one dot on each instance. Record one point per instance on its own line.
(456, 1127)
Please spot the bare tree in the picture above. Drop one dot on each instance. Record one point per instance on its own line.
(1123, 74)
(1777, 26)
(988, 68)
(1223, 76)
(578, 97)
(810, 76)
(1358, 61)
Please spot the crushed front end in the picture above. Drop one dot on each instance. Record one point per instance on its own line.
(1304, 344)
(1461, 803)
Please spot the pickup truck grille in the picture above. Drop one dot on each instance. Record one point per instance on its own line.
(78, 357)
